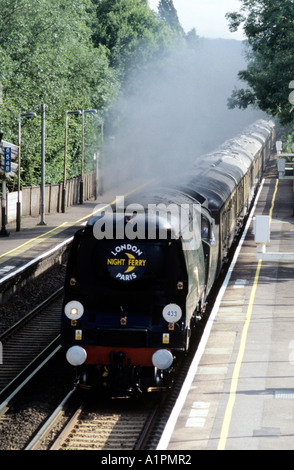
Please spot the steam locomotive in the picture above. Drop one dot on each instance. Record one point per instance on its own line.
(138, 275)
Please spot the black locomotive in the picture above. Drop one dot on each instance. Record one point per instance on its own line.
(139, 275)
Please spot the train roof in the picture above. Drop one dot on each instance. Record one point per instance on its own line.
(215, 191)
(216, 174)
(166, 195)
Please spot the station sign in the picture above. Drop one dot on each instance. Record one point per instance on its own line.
(7, 159)
(8, 153)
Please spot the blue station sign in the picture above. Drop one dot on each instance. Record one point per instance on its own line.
(7, 159)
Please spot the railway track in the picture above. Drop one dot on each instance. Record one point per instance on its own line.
(80, 423)
(118, 426)
(104, 430)
(25, 344)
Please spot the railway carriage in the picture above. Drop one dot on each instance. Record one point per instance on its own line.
(138, 278)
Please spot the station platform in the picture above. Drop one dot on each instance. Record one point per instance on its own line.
(239, 392)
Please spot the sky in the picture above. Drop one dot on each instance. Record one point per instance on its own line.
(206, 16)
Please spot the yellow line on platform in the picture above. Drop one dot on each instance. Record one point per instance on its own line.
(236, 372)
(32, 240)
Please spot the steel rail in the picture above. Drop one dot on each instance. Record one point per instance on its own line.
(35, 443)
(19, 367)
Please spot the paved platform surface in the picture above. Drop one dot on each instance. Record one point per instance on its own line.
(239, 394)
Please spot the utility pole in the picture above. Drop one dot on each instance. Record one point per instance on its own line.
(6, 168)
(42, 202)
(3, 231)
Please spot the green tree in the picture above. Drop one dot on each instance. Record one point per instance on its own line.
(168, 13)
(48, 57)
(269, 27)
(132, 33)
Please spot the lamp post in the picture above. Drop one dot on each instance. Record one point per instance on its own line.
(18, 204)
(87, 111)
(65, 155)
(97, 158)
(3, 231)
(42, 203)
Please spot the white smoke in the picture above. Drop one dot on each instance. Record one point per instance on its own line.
(179, 112)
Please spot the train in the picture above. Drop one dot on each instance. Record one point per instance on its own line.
(139, 273)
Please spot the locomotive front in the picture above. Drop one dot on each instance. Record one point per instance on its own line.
(128, 303)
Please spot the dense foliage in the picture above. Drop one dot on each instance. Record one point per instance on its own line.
(269, 27)
(75, 55)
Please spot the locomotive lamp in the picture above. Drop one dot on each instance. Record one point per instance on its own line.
(74, 310)
(76, 355)
(162, 359)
